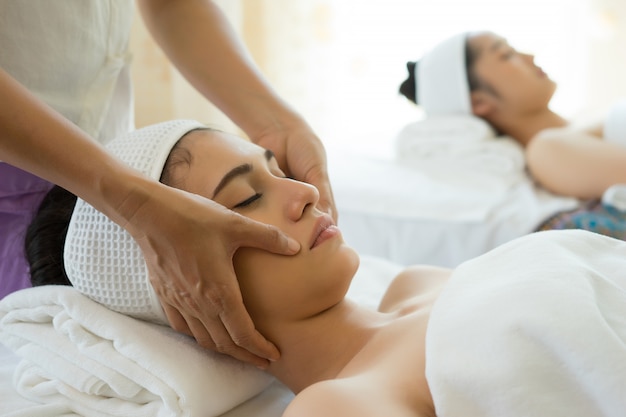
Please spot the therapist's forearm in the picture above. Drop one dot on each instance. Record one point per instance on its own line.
(37, 139)
(202, 44)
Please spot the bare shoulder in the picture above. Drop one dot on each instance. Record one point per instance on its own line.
(345, 398)
(326, 398)
(414, 281)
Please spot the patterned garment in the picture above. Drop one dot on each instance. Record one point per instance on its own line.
(592, 216)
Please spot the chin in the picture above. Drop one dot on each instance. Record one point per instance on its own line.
(348, 265)
(338, 271)
(354, 258)
(553, 87)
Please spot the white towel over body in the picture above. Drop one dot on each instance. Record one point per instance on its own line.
(96, 362)
(536, 327)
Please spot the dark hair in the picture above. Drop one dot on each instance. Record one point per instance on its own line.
(45, 236)
(409, 87)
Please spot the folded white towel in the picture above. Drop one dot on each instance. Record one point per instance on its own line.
(426, 135)
(462, 151)
(536, 327)
(96, 362)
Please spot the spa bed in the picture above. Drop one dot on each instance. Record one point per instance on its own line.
(436, 203)
(550, 305)
(440, 191)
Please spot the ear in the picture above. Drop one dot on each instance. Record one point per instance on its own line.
(483, 103)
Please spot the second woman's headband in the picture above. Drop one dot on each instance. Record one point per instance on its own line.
(442, 87)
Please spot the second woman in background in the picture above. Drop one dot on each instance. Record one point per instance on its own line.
(480, 74)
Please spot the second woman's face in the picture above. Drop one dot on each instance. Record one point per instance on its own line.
(247, 179)
(520, 84)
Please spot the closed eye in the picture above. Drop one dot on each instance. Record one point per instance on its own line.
(509, 53)
(248, 201)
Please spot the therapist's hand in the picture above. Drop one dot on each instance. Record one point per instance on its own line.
(300, 153)
(189, 242)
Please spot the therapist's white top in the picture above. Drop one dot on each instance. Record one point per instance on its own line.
(73, 55)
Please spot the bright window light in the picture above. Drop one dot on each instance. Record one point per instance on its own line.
(357, 81)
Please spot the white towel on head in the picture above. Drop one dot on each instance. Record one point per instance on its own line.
(96, 362)
(441, 79)
(102, 260)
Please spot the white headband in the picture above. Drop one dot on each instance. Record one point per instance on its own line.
(101, 259)
(441, 79)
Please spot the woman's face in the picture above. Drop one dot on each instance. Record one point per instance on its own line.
(518, 83)
(247, 179)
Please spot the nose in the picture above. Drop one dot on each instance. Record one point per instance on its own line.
(529, 57)
(301, 196)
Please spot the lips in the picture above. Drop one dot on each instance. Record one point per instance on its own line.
(541, 72)
(323, 223)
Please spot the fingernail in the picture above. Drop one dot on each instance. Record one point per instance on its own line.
(293, 245)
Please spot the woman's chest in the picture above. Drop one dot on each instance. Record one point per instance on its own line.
(391, 369)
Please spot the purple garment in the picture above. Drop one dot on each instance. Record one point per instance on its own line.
(20, 196)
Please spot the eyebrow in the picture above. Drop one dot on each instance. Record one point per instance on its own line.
(238, 171)
(496, 45)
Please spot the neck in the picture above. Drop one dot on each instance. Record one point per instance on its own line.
(523, 128)
(319, 347)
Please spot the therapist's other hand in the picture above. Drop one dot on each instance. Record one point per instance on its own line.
(300, 153)
(188, 243)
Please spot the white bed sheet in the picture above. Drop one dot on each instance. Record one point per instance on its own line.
(368, 286)
(410, 216)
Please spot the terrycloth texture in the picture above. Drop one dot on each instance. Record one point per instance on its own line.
(102, 260)
(96, 362)
(461, 150)
(615, 123)
(536, 327)
(442, 87)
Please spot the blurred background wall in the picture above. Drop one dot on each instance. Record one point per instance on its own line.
(339, 62)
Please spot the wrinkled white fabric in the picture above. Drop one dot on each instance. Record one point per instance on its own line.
(80, 356)
(536, 327)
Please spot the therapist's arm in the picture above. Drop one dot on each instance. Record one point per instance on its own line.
(188, 241)
(199, 40)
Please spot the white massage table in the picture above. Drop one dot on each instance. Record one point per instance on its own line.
(437, 193)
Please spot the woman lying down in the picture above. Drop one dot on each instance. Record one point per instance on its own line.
(536, 327)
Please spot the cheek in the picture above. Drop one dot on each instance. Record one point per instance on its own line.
(293, 286)
(270, 211)
(265, 280)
